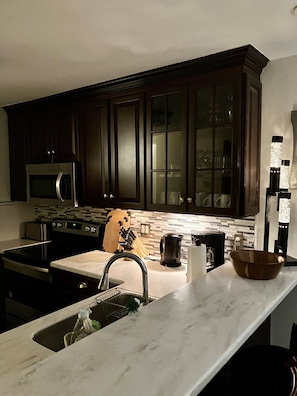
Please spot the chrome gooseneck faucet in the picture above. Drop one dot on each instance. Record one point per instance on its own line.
(104, 281)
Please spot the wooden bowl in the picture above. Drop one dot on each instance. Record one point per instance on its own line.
(256, 264)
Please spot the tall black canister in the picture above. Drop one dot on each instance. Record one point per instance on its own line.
(170, 249)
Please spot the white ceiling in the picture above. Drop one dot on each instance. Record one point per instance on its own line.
(50, 46)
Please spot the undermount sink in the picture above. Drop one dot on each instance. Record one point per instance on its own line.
(106, 311)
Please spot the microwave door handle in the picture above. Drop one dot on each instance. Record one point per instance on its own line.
(58, 186)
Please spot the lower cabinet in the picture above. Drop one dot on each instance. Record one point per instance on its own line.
(70, 287)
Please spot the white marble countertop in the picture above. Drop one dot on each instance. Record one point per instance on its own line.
(174, 346)
(161, 280)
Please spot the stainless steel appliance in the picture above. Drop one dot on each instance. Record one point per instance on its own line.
(215, 246)
(170, 248)
(37, 230)
(27, 272)
(53, 184)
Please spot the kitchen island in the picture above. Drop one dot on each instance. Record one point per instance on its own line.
(173, 346)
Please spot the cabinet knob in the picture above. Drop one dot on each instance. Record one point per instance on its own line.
(53, 151)
(190, 200)
(111, 196)
(181, 200)
(82, 285)
(48, 152)
(105, 196)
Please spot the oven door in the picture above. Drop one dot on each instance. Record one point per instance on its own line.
(28, 292)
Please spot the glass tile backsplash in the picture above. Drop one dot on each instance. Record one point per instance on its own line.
(162, 223)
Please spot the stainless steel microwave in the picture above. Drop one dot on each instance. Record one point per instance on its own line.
(53, 184)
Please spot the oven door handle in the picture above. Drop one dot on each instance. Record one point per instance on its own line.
(26, 269)
(58, 186)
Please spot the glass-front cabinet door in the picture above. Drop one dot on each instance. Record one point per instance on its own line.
(211, 131)
(166, 142)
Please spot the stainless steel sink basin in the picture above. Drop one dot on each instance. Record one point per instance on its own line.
(105, 311)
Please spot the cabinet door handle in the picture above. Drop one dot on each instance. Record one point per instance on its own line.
(181, 200)
(190, 200)
(82, 285)
(111, 196)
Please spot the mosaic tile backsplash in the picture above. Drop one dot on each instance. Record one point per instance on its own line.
(161, 223)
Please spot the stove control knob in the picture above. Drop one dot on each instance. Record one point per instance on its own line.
(59, 225)
(93, 229)
(87, 229)
(54, 224)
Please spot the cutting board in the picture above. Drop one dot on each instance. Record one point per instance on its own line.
(114, 221)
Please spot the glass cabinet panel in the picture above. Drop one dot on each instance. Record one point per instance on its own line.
(173, 150)
(158, 151)
(213, 134)
(166, 149)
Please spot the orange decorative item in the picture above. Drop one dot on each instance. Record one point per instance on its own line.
(256, 264)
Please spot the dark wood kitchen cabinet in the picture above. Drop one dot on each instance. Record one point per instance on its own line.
(93, 136)
(112, 153)
(53, 133)
(203, 140)
(183, 138)
(224, 145)
(69, 287)
(126, 188)
(37, 134)
(18, 124)
(167, 147)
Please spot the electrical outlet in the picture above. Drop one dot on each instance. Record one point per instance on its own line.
(145, 229)
(238, 241)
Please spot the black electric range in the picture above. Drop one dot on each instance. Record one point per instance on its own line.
(28, 290)
(68, 237)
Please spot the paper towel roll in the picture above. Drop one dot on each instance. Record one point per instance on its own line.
(196, 262)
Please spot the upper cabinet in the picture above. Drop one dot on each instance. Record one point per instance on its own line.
(93, 149)
(112, 150)
(126, 187)
(166, 147)
(215, 136)
(53, 133)
(203, 139)
(18, 124)
(183, 138)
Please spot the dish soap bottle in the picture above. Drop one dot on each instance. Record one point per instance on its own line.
(83, 326)
(196, 260)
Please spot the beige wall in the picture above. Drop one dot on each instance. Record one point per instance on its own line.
(279, 80)
(12, 214)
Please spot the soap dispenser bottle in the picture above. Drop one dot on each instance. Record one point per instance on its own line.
(82, 327)
(196, 260)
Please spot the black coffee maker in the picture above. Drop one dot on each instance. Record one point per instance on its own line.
(170, 247)
(215, 246)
